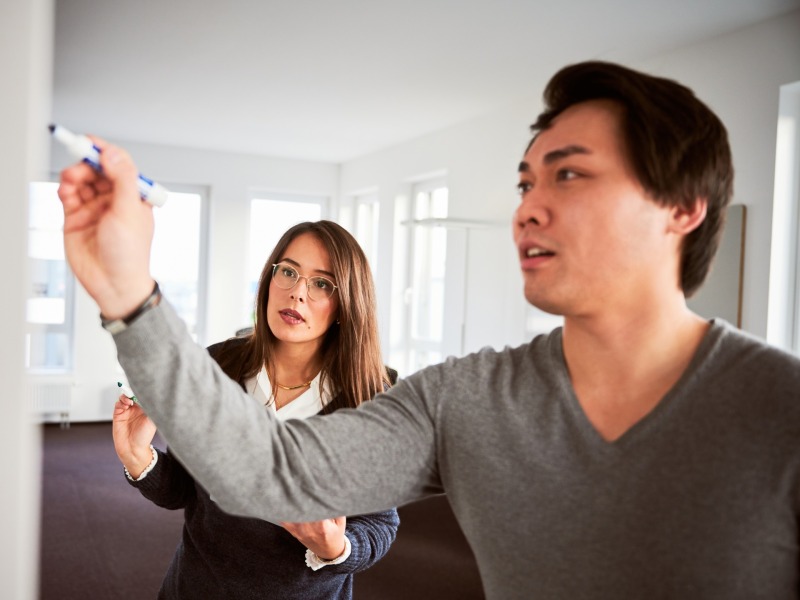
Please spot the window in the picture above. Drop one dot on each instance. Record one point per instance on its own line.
(178, 256)
(421, 338)
(270, 216)
(178, 251)
(783, 314)
(49, 335)
(429, 251)
(360, 215)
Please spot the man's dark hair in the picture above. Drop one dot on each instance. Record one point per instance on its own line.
(677, 146)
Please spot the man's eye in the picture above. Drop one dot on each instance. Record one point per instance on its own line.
(523, 187)
(566, 174)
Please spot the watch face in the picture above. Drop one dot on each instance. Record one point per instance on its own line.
(114, 326)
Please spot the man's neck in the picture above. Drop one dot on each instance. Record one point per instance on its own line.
(621, 366)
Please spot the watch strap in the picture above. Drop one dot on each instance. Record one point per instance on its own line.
(115, 326)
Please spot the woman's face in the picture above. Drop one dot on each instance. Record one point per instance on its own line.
(292, 316)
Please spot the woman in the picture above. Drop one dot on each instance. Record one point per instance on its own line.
(314, 348)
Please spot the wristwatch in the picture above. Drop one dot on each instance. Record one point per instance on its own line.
(115, 326)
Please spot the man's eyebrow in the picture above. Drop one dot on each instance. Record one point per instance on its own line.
(561, 153)
(556, 155)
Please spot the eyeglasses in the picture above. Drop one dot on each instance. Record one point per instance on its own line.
(286, 277)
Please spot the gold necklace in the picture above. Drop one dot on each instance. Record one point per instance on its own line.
(289, 388)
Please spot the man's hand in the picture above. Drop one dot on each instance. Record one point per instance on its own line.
(108, 231)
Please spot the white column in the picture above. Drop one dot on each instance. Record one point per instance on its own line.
(26, 42)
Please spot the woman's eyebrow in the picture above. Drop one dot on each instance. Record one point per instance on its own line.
(298, 265)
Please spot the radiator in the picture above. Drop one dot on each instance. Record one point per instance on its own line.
(51, 396)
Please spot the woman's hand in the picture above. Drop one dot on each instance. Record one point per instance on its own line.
(108, 231)
(324, 538)
(133, 432)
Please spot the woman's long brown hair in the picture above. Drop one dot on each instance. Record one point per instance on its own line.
(351, 354)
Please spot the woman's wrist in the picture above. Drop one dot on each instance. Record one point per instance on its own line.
(331, 549)
(315, 562)
(137, 462)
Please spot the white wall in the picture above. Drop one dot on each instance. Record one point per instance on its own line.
(738, 75)
(228, 178)
(26, 64)
(480, 160)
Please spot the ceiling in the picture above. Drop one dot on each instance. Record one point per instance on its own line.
(332, 80)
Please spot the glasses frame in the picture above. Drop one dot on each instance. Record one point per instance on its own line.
(308, 281)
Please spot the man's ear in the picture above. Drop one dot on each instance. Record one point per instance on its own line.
(685, 219)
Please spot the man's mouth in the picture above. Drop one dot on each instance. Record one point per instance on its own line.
(532, 252)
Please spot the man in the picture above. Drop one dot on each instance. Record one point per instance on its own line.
(639, 452)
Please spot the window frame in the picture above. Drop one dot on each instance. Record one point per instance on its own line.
(68, 325)
(409, 344)
(349, 210)
(783, 312)
(201, 321)
(260, 194)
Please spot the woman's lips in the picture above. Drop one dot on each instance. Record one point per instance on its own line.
(291, 316)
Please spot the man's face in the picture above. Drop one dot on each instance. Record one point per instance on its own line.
(589, 237)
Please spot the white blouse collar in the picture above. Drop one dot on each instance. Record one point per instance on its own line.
(307, 404)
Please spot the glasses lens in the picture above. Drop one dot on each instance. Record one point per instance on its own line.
(284, 276)
(320, 288)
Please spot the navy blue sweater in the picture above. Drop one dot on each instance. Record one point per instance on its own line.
(224, 556)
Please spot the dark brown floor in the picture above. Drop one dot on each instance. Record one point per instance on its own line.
(101, 540)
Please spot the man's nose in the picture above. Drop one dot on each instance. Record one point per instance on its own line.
(532, 210)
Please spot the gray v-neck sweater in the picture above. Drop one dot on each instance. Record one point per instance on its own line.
(700, 499)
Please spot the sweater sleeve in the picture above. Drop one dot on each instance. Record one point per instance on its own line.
(254, 465)
(370, 537)
(168, 485)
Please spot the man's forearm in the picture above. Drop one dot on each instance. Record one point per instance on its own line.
(251, 464)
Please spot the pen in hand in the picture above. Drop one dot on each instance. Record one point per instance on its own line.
(128, 392)
(82, 148)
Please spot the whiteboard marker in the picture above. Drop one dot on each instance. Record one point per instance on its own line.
(128, 392)
(82, 148)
